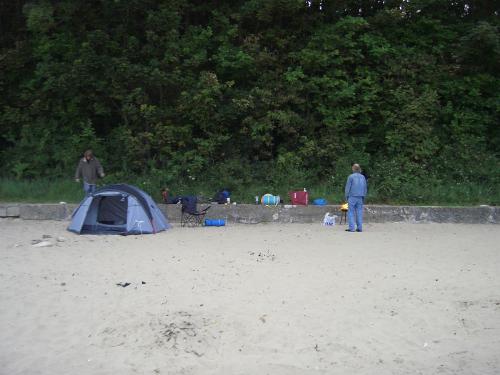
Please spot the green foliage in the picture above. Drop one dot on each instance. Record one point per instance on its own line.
(433, 193)
(255, 95)
(40, 191)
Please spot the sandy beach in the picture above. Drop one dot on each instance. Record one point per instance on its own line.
(251, 299)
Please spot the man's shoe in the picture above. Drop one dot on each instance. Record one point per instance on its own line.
(348, 230)
(358, 230)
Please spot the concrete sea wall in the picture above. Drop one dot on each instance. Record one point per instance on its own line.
(254, 214)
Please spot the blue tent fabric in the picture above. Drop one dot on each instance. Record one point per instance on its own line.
(137, 223)
(118, 209)
(79, 215)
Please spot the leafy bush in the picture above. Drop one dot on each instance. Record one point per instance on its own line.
(258, 96)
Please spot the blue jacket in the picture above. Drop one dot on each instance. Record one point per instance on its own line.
(355, 186)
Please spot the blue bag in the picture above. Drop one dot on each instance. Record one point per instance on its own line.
(215, 222)
(320, 202)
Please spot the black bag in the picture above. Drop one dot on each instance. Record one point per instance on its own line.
(221, 196)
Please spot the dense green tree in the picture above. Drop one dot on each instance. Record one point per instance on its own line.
(210, 89)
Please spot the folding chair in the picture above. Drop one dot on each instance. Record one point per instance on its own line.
(190, 216)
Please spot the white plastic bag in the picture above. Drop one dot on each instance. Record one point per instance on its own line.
(329, 220)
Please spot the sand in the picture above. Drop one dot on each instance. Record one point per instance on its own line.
(254, 299)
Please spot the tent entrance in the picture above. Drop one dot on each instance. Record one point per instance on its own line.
(107, 214)
(112, 210)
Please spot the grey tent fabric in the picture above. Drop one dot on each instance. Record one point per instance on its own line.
(119, 209)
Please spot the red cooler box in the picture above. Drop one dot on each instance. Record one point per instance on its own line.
(299, 197)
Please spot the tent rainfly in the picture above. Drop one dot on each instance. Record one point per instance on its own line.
(118, 209)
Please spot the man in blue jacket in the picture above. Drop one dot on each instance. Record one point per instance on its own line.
(355, 192)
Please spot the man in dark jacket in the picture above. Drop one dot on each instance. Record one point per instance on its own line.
(89, 169)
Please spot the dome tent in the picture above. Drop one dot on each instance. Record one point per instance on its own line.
(118, 209)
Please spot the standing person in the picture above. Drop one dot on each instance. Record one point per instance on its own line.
(89, 169)
(355, 192)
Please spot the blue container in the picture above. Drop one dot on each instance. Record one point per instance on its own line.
(320, 202)
(215, 222)
(270, 199)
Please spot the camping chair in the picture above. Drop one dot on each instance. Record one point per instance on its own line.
(190, 216)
